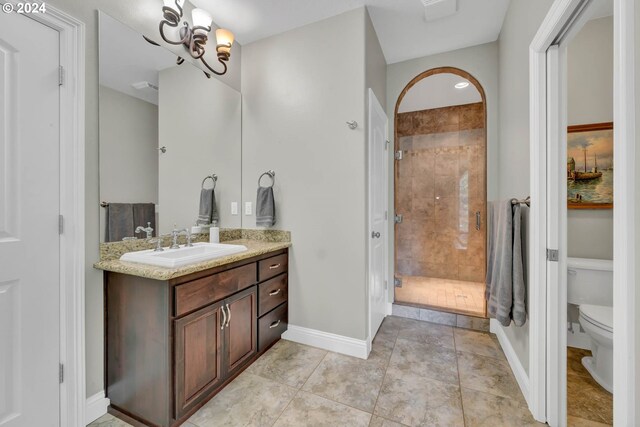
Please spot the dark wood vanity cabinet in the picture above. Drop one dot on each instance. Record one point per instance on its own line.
(172, 345)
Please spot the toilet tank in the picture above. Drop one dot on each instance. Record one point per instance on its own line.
(590, 281)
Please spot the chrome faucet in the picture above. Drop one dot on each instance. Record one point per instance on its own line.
(146, 229)
(175, 233)
(157, 240)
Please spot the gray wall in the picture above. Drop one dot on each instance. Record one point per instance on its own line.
(590, 100)
(142, 15)
(479, 61)
(128, 154)
(520, 25)
(201, 126)
(376, 65)
(299, 89)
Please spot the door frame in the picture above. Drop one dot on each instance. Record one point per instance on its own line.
(386, 241)
(72, 209)
(545, 351)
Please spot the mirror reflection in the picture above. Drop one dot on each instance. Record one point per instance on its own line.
(170, 140)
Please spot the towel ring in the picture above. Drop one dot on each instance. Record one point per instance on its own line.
(212, 177)
(270, 174)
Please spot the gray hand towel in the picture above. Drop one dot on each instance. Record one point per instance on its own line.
(506, 289)
(119, 221)
(144, 213)
(265, 207)
(519, 309)
(499, 292)
(208, 209)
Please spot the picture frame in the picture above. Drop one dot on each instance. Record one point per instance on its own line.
(590, 166)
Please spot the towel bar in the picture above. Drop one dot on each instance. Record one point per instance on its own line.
(526, 201)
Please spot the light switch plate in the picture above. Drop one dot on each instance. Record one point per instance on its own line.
(247, 208)
(234, 208)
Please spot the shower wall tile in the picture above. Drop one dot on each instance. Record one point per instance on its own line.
(440, 120)
(441, 184)
(471, 273)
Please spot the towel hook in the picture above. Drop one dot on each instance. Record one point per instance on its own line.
(213, 177)
(271, 174)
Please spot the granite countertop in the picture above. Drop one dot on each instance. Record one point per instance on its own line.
(254, 248)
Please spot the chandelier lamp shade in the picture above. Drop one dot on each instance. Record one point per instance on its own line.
(194, 37)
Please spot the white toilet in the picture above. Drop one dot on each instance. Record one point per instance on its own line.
(590, 286)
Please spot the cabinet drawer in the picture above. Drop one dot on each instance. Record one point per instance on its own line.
(272, 293)
(193, 295)
(271, 326)
(273, 266)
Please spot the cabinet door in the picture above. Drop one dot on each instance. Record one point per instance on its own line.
(241, 329)
(198, 356)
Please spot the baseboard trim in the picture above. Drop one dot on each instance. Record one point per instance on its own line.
(518, 370)
(95, 407)
(327, 341)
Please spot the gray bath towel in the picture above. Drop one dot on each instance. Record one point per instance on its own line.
(208, 209)
(119, 221)
(144, 213)
(265, 207)
(506, 290)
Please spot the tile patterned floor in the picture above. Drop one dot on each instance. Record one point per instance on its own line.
(452, 295)
(418, 374)
(588, 404)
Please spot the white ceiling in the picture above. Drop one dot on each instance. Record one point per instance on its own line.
(126, 58)
(438, 91)
(400, 24)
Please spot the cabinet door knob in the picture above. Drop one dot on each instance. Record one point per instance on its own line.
(274, 266)
(274, 324)
(273, 293)
(224, 317)
(375, 234)
(229, 318)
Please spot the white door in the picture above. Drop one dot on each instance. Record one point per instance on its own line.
(29, 209)
(378, 205)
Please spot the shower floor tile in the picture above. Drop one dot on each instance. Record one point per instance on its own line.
(445, 294)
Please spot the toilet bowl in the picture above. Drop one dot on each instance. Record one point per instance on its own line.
(597, 321)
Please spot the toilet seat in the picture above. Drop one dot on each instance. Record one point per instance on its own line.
(598, 315)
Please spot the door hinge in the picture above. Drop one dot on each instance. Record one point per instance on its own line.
(61, 373)
(397, 219)
(398, 155)
(397, 282)
(386, 284)
(60, 224)
(552, 255)
(386, 146)
(386, 215)
(60, 75)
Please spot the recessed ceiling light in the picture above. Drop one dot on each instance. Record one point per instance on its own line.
(461, 85)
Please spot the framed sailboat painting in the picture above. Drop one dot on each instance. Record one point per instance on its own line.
(590, 166)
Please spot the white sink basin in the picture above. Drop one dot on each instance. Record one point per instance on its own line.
(172, 258)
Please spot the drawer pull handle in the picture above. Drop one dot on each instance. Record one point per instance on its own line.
(229, 319)
(274, 266)
(224, 318)
(274, 293)
(274, 324)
